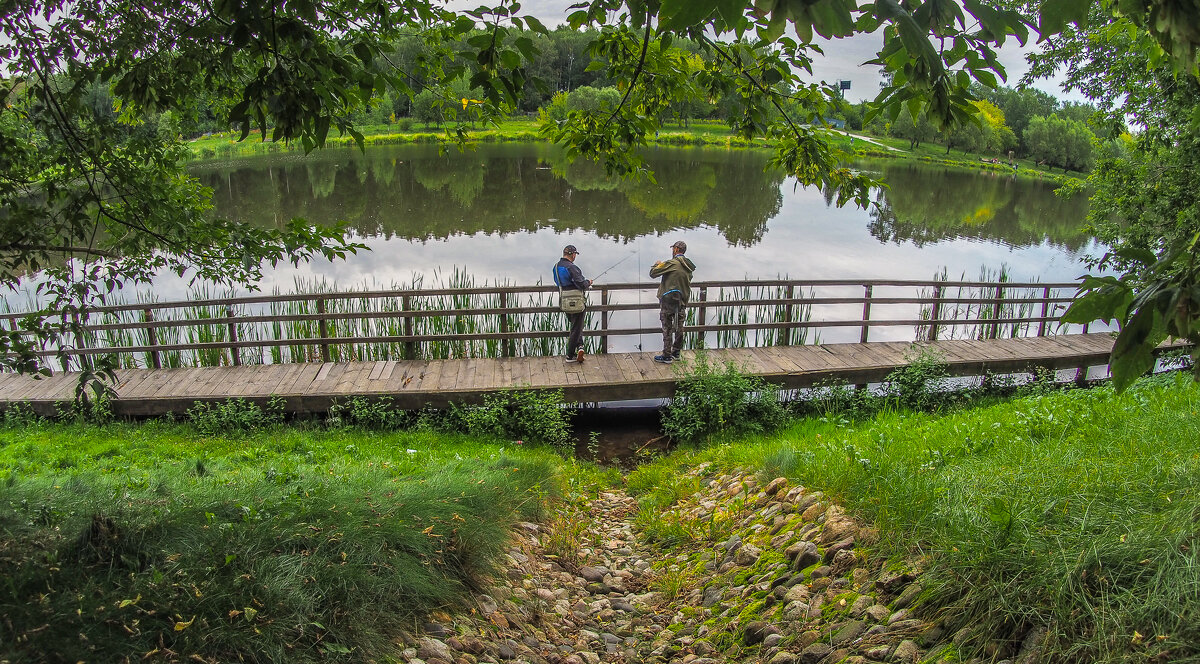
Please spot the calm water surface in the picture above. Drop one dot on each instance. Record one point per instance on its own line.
(504, 212)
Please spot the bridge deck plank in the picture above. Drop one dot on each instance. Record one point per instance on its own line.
(600, 378)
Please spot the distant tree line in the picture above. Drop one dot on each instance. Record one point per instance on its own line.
(1029, 123)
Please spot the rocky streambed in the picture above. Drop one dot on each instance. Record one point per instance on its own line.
(779, 575)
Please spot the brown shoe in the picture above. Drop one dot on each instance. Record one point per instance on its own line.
(579, 357)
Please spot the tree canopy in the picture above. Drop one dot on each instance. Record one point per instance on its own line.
(79, 181)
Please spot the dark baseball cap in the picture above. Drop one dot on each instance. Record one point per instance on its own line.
(570, 249)
(681, 246)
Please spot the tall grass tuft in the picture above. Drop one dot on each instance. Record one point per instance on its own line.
(282, 546)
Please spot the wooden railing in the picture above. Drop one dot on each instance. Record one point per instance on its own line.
(507, 321)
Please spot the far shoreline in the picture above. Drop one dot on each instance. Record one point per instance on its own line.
(699, 134)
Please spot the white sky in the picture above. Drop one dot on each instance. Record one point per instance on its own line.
(842, 60)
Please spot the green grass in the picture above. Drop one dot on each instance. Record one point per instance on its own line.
(710, 133)
(1077, 512)
(282, 545)
(707, 133)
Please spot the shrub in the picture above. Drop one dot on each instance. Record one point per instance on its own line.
(21, 415)
(918, 385)
(710, 399)
(365, 413)
(534, 417)
(235, 416)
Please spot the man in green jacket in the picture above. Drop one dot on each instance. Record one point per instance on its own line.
(673, 294)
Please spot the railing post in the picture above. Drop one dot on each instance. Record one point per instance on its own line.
(410, 347)
(506, 349)
(935, 314)
(603, 321)
(1045, 310)
(701, 317)
(82, 359)
(234, 351)
(323, 329)
(995, 331)
(866, 316)
(152, 338)
(786, 337)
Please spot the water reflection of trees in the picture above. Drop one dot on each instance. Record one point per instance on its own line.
(415, 193)
(925, 204)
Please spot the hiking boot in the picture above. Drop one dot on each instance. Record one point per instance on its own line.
(675, 355)
(579, 357)
(664, 359)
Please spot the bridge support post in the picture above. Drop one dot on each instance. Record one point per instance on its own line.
(1045, 310)
(506, 345)
(323, 329)
(935, 314)
(785, 338)
(82, 359)
(603, 321)
(234, 352)
(152, 338)
(410, 347)
(994, 333)
(866, 316)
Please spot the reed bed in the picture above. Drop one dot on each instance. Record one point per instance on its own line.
(777, 312)
(990, 303)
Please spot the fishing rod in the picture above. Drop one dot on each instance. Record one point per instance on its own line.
(631, 253)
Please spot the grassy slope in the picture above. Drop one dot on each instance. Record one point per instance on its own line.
(1077, 513)
(288, 545)
(700, 133)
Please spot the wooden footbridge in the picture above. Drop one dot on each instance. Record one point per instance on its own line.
(433, 347)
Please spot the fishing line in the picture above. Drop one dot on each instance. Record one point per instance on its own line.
(614, 265)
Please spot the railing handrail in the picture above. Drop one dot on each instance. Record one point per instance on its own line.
(227, 326)
(538, 288)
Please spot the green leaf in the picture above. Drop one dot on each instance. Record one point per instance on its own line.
(577, 19)
(679, 14)
(1054, 15)
(322, 130)
(363, 52)
(536, 25)
(510, 58)
(731, 11)
(830, 18)
(1143, 256)
(481, 40)
(1133, 353)
(1106, 304)
(525, 45)
(999, 511)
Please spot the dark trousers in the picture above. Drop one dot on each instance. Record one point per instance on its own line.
(575, 338)
(670, 314)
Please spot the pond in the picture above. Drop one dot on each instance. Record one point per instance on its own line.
(503, 212)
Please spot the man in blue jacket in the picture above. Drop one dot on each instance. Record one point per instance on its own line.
(569, 277)
(673, 295)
